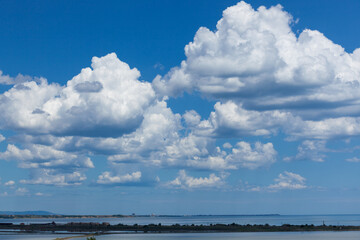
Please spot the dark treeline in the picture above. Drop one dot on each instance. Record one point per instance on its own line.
(176, 228)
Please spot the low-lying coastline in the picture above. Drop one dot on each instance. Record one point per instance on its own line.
(104, 227)
(54, 216)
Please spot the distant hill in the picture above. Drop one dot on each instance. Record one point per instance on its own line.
(43, 213)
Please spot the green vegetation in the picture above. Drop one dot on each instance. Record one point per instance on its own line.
(91, 238)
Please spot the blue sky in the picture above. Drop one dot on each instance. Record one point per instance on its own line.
(180, 107)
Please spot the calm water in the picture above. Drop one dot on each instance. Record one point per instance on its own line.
(206, 220)
(241, 236)
(206, 236)
(22, 236)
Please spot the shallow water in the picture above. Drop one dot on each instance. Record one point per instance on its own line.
(202, 236)
(242, 236)
(24, 236)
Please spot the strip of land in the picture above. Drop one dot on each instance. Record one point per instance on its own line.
(103, 228)
(72, 237)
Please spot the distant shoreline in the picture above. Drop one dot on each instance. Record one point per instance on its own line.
(31, 216)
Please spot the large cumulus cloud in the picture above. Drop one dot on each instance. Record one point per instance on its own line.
(107, 100)
(267, 80)
(255, 58)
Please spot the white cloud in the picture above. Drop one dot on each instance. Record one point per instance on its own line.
(354, 159)
(194, 151)
(41, 156)
(288, 181)
(159, 66)
(40, 194)
(324, 129)
(285, 181)
(227, 145)
(47, 165)
(254, 57)
(310, 150)
(108, 178)
(199, 153)
(51, 177)
(245, 156)
(192, 118)
(187, 182)
(9, 183)
(159, 141)
(266, 80)
(107, 100)
(2, 138)
(21, 191)
(159, 128)
(230, 119)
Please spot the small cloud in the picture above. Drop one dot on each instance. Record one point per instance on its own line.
(227, 145)
(354, 159)
(285, 181)
(2, 138)
(192, 118)
(50, 177)
(253, 157)
(288, 181)
(255, 189)
(184, 181)
(159, 66)
(9, 183)
(108, 178)
(310, 150)
(21, 191)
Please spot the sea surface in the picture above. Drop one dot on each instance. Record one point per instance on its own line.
(205, 220)
(234, 236)
(201, 236)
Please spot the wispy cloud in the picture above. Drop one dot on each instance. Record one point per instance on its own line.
(185, 181)
(52, 177)
(108, 178)
(288, 181)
